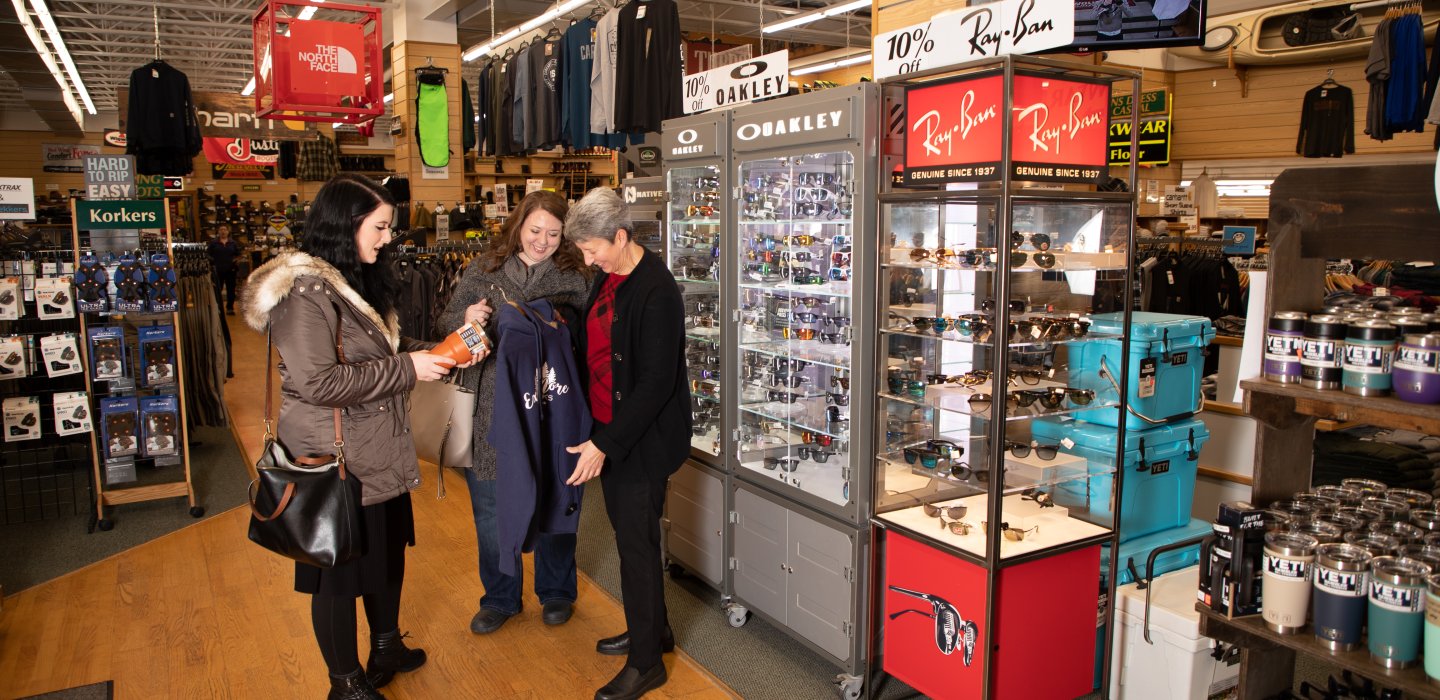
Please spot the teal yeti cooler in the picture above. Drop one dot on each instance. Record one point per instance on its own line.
(1166, 364)
(1160, 463)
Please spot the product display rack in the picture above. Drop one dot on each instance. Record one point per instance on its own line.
(986, 294)
(647, 200)
(1361, 212)
(697, 221)
(105, 494)
(797, 274)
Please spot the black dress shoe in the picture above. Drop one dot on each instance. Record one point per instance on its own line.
(619, 645)
(487, 621)
(557, 612)
(631, 683)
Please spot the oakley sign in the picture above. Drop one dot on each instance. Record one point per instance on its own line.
(758, 78)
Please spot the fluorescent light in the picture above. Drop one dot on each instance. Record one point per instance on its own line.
(44, 52)
(809, 17)
(831, 65)
(58, 42)
(309, 11)
(477, 51)
(249, 87)
(389, 97)
(854, 60)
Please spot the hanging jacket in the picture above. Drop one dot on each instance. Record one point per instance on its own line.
(649, 66)
(540, 409)
(162, 130)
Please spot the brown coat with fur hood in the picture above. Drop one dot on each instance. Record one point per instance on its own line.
(305, 300)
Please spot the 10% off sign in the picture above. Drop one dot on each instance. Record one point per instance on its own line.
(980, 31)
(738, 83)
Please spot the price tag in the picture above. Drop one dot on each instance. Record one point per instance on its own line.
(980, 31)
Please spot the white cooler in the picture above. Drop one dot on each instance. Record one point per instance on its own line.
(1178, 664)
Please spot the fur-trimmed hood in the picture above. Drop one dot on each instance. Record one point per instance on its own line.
(269, 284)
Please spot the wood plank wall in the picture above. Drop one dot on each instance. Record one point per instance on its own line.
(406, 57)
(1215, 121)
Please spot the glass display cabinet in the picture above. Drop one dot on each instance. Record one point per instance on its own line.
(698, 214)
(986, 378)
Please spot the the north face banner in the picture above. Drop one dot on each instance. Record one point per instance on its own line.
(325, 58)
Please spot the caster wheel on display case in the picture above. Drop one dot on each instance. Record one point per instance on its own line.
(105, 525)
(849, 686)
(737, 616)
(197, 511)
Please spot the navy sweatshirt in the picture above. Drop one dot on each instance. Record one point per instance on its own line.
(540, 409)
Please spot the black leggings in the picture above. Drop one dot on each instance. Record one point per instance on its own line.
(335, 624)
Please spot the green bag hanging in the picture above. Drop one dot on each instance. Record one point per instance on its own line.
(432, 120)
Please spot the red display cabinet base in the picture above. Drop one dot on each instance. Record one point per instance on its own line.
(1043, 644)
(318, 70)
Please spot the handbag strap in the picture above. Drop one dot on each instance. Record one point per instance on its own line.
(269, 384)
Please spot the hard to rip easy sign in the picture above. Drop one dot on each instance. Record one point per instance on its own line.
(955, 130)
(980, 31)
(110, 177)
(738, 83)
(120, 214)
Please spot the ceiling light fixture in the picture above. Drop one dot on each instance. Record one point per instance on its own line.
(58, 42)
(819, 14)
(475, 52)
(44, 52)
(249, 87)
(389, 97)
(308, 12)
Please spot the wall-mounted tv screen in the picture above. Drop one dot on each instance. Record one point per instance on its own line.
(1106, 25)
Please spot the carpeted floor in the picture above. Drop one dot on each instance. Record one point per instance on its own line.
(93, 691)
(37, 552)
(757, 661)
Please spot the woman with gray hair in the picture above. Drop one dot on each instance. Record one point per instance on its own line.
(632, 346)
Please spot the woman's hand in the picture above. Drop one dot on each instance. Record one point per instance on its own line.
(591, 460)
(481, 352)
(430, 367)
(479, 311)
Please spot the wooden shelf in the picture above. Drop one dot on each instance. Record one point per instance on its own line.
(1228, 341)
(1279, 651)
(1277, 405)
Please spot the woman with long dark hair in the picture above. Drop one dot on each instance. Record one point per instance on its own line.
(530, 261)
(329, 311)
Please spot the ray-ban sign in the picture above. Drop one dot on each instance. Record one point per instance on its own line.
(980, 31)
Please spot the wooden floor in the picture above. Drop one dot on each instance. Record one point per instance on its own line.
(203, 613)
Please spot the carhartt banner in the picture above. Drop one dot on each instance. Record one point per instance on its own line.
(242, 151)
(229, 115)
(120, 214)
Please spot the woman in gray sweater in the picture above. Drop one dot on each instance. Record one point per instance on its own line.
(531, 260)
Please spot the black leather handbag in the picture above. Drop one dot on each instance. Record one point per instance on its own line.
(307, 508)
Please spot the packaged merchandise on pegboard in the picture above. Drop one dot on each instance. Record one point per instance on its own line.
(11, 308)
(160, 419)
(22, 418)
(14, 356)
(92, 283)
(129, 280)
(72, 413)
(53, 298)
(107, 353)
(160, 285)
(61, 355)
(118, 422)
(157, 355)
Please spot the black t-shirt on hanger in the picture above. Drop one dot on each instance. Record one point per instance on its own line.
(649, 66)
(544, 109)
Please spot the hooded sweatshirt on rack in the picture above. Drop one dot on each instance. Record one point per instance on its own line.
(540, 409)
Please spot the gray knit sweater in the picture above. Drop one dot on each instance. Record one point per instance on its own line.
(566, 290)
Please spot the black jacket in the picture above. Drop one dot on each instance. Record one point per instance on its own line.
(649, 66)
(161, 128)
(649, 433)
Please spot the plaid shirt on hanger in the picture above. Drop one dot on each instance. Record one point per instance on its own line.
(319, 160)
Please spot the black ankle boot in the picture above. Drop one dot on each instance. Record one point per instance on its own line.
(353, 686)
(389, 655)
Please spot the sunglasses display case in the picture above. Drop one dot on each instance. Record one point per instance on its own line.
(697, 220)
(987, 287)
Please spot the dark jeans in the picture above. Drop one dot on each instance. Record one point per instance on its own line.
(554, 557)
(225, 282)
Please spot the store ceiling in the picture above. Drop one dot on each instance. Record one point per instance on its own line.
(210, 39)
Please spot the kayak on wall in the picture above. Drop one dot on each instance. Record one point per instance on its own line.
(1301, 32)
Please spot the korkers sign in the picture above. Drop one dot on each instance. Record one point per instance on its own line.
(955, 128)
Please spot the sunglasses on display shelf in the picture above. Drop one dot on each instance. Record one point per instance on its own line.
(786, 397)
(961, 471)
(754, 212)
(761, 182)
(799, 256)
(840, 274)
(840, 259)
(701, 358)
(953, 512)
(839, 381)
(763, 272)
(808, 277)
(705, 307)
(979, 403)
(1014, 534)
(812, 194)
(703, 211)
(1062, 328)
(805, 316)
(815, 454)
(762, 439)
(707, 183)
(816, 179)
(1022, 450)
(833, 414)
(945, 447)
(901, 386)
(790, 333)
(956, 527)
(703, 321)
(704, 388)
(924, 457)
(841, 243)
(813, 210)
(707, 373)
(788, 380)
(1039, 240)
(808, 302)
(1053, 397)
(686, 240)
(803, 239)
(1039, 497)
(813, 438)
(698, 273)
(780, 364)
(705, 197)
(786, 464)
(837, 321)
(1016, 306)
(835, 399)
(838, 338)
